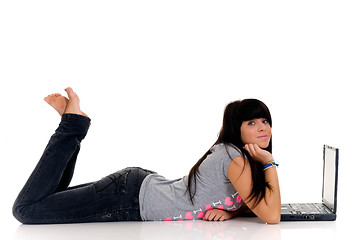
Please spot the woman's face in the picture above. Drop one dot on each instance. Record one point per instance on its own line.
(256, 131)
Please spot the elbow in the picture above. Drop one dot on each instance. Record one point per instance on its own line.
(273, 219)
(274, 215)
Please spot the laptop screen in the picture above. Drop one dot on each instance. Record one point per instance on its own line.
(329, 194)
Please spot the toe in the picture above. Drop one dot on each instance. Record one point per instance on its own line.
(71, 93)
(47, 99)
(68, 89)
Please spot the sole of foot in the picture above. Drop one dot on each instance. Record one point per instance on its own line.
(65, 105)
(57, 101)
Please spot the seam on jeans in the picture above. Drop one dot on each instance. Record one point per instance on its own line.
(20, 203)
(79, 218)
(116, 180)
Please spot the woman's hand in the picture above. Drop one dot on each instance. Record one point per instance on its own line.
(258, 153)
(218, 215)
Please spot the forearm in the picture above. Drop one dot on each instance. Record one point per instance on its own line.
(272, 195)
(271, 203)
(268, 209)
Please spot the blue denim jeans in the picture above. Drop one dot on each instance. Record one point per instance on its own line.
(46, 197)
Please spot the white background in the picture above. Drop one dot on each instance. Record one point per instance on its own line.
(155, 76)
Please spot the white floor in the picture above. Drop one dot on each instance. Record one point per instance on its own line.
(250, 228)
(234, 229)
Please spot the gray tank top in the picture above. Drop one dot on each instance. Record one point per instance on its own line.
(168, 200)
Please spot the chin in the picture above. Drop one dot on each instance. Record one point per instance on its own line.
(263, 145)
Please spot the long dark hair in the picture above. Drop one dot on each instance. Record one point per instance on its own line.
(234, 114)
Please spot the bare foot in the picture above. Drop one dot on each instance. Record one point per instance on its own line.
(57, 101)
(73, 105)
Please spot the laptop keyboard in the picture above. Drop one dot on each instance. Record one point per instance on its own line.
(309, 208)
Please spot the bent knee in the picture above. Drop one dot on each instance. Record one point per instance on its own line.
(19, 212)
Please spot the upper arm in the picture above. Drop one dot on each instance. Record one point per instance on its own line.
(240, 175)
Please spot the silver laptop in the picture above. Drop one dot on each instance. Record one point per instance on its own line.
(327, 209)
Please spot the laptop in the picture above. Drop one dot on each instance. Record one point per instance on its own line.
(327, 209)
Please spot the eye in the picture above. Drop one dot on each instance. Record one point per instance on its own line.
(251, 123)
(265, 121)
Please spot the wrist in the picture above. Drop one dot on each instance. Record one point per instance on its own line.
(267, 158)
(270, 164)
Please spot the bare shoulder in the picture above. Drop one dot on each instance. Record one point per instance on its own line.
(237, 163)
(237, 168)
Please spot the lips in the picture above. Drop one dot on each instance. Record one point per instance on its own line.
(263, 136)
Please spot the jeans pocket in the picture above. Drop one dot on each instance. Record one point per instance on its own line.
(114, 183)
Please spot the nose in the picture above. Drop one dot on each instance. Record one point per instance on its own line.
(261, 127)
